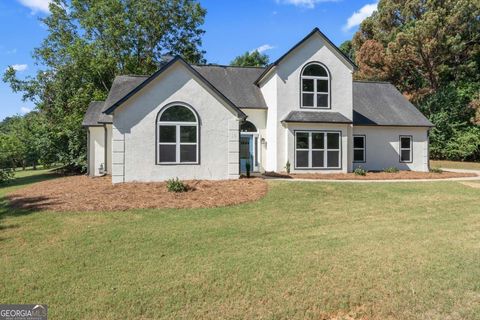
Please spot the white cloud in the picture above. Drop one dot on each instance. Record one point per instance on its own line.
(13, 51)
(263, 48)
(358, 16)
(36, 5)
(24, 110)
(19, 67)
(304, 3)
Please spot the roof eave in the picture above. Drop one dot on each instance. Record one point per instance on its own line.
(395, 125)
(306, 121)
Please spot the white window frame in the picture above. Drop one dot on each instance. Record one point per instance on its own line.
(325, 150)
(315, 90)
(410, 149)
(177, 142)
(364, 149)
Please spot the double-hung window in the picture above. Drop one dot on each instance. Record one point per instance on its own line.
(315, 82)
(177, 136)
(406, 148)
(359, 147)
(317, 150)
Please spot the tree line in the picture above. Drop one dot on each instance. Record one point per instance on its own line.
(430, 50)
(88, 43)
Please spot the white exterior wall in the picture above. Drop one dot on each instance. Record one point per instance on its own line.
(269, 91)
(282, 94)
(259, 118)
(345, 130)
(96, 150)
(382, 147)
(134, 132)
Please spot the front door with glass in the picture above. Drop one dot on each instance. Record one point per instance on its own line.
(246, 153)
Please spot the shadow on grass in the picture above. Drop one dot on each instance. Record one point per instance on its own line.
(7, 211)
(30, 204)
(21, 181)
(10, 206)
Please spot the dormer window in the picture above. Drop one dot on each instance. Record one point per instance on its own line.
(315, 83)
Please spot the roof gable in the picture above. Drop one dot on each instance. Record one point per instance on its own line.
(132, 87)
(346, 60)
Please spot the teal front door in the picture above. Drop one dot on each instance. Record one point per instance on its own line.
(246, 153)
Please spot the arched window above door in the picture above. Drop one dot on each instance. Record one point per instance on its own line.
(247, 126)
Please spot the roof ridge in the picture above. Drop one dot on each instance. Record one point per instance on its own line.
(133, 75)
(373, 81)
(227, 66)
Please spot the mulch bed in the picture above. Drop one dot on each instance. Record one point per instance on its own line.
(372, 175)
(81, 193)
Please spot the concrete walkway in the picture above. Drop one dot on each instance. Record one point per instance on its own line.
(477, 178)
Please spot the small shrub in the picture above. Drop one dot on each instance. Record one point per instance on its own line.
(287, 166)
(436, 170)
(391, 170)
(360, 171)
(248, 167)
(175, 185)
(6, 174)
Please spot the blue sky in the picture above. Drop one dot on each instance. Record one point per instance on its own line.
(232, 28)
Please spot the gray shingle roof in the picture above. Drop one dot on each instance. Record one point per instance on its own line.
(316, 116)
(122, 85)
(381, 104)
(374, 103)
(236, 83)
(94, 115)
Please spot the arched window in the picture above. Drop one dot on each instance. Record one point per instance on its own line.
(247, 126)
(315, 81)
(177, 135)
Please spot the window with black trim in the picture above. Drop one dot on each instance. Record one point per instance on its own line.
(359, 147)
(406, 149)
(317, 150)
(177, 136)
(315, 83)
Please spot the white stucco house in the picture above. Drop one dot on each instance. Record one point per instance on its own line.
(208, 121)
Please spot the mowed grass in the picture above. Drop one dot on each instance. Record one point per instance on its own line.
(306, 251)
(455, 164)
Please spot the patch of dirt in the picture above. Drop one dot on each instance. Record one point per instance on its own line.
(81, 193)
(372, 175)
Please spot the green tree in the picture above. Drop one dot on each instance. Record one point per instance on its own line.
(430, 50)
(348, 49)
(89, 42)
(251, 59)
(25, 140)
(420, 45)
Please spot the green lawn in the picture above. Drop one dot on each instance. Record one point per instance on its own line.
(455, 164)
(307, 250)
